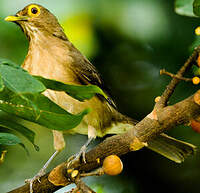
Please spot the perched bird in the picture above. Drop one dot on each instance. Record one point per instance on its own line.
(53, 56)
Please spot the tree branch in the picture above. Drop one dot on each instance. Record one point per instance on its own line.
(148, 128)
(163, 71)
(160, 119)
(172, 85)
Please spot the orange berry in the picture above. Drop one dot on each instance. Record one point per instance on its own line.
(195, 125)
(157, 99)
(112, 165)
(195, 80)
(197, 31)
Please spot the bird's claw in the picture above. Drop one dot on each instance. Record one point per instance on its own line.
(80, 156)
(36, 177)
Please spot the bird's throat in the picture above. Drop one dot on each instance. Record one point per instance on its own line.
(49, 57)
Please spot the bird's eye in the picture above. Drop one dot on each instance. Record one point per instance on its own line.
(33, 10)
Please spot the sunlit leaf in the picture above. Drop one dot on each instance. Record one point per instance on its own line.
(184, 7)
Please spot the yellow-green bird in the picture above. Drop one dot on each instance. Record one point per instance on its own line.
(53, 56)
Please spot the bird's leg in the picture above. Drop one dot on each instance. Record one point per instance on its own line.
(41, 172)
(81, 153)
(59, 144)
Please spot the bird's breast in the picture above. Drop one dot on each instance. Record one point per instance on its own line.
(55, 62)
(50, 63)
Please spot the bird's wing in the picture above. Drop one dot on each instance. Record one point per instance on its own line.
(88, 74)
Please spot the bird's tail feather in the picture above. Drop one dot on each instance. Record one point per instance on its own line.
(173, 149)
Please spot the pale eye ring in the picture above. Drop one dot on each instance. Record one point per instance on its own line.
(34, 10)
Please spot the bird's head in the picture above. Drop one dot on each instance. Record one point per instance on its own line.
(34, 19)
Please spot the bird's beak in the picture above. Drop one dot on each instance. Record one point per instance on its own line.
(13, 18)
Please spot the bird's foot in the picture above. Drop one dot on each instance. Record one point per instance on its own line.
(41, 172)
(35, 178)
(79, 157)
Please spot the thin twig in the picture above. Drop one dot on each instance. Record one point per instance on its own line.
(172, 85)
(97, 172)
(163, 71)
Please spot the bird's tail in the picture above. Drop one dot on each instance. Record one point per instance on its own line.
(171, 148)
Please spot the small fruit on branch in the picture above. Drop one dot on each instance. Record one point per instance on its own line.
(195, 125)
(196, 80)
(112, 165)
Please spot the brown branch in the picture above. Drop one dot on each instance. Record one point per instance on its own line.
(163, 71)
(148, 128)
(172, 85)
(145, 130)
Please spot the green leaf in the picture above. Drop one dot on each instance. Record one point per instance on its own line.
(196, 70)
(27, 133)
(196, 7)
(80, 93)
(49, 114)
(184, 7)
(21, 97)
(9, 62)
(6, 130)
(9, 139)
(18, 80)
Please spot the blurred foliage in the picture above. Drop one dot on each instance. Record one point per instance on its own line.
(129, 42)
(80, 30)
(184, 7)
(196, 7)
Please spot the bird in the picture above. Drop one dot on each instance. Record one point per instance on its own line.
(51, 55)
